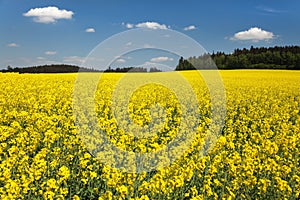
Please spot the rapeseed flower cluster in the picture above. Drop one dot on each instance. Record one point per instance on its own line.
(43, 156)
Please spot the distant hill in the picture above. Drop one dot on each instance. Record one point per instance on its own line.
(55, 68)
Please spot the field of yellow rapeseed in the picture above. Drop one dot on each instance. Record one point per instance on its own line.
(44, 156)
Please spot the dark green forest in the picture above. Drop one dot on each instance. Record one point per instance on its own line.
(287, 57)
(55, 68)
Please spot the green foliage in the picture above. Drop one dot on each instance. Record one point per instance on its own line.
(154, 69)
(126, 69)
(55, 68)
(287, 57)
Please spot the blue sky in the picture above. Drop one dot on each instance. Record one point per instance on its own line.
(43, 32)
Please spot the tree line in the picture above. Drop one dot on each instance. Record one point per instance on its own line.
(55, 68)
(63, 68)
(287, 57)
(132, 69)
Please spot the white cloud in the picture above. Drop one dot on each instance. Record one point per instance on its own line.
(128, 43)
(13, 45)
(254, 34)
(269, 10)
(160, 66)
(48, 14)
(120, 60)
(148, 46)
(188, 28)
(161, 59)
(90, 30)
(123, 57)
(40, 58)
(149, 63)
(73, 59)
(78, 60)
(50, 53)
(127, 25)
(151, 25)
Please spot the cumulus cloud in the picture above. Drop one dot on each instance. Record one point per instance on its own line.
(13, 45)
(161, 59)
(254, 34)
(188, 28)
(48, 14)
(150, 25)
(90, 30)
(50, 53)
